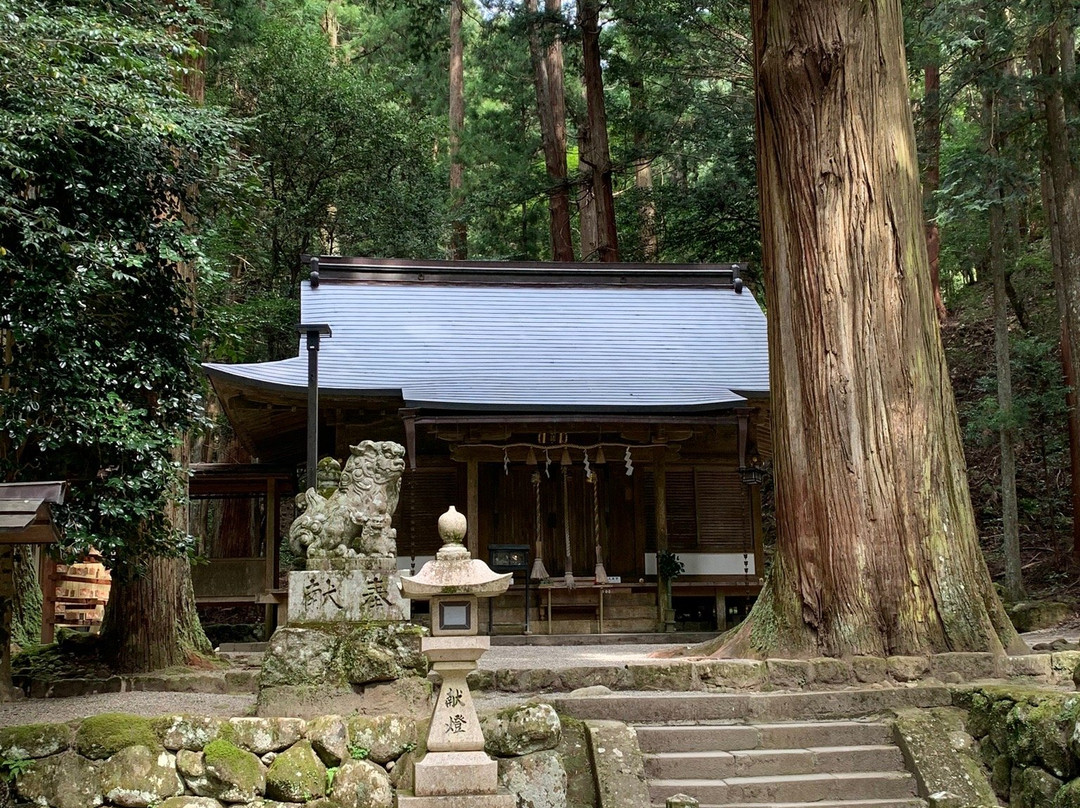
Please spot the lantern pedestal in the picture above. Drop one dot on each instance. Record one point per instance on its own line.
(455, 772)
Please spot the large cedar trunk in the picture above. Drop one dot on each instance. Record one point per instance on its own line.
(931, 143)
(1063, 191)
(1010, 528)
(150, 619)
(458, 229)
(595, 151)
(546, 60)
(877, 549)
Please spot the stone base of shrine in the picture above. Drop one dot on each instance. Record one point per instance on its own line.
(501, 800)
(444, 779)
(455, 773)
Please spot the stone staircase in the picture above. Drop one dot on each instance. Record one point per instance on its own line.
(826, 749)
(846, 764)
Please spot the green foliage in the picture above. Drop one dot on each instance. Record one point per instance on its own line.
(11, 769)
(668, 565)
(343, 167)
(357, 752)
(105, 170)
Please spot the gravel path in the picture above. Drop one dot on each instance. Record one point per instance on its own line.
(34, 711)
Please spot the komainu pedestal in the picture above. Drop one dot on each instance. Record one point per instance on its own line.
(347, 646)
(357, 591)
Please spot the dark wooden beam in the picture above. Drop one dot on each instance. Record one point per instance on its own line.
(518, 454)
(503, 273)
(408, 415)
(542, 423)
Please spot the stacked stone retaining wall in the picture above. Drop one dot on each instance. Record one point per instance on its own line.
(1029, 741)
(208, 762)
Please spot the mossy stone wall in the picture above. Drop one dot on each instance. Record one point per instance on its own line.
(1028, 741)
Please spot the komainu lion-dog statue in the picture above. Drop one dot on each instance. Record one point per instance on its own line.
(354, 520)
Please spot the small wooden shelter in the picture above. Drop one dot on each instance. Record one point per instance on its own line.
(244, 568)
(25, 518)
(25, 512)
(589, 416)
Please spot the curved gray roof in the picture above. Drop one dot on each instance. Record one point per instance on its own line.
(469, 345)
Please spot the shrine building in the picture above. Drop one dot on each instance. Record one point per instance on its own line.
(586, 416)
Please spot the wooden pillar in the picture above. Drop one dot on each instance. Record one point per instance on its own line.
(7, 601)
(270, 550)
(721, 612)
(660, 485)
(473, 507)
(48, 598)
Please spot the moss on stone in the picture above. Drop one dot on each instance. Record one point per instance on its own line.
(230, 764)
(1069, 795)
(384, 737)
(34, 740)
(296, 775)
(101, 736)
(678, 676)
(67, 780)
(1035, 615)
(138, 777)
(1001, 776)
(1049, 726)
(187, 731)
(937, 745)
(342, 654)
(521, 729)
(978, 707)
(1033, 788)
(573, 749)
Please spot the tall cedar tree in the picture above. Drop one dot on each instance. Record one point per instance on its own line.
(1062, 192)
(877, 549)
(595, 152)
(106, 166)
(545, 53)
(459, 234)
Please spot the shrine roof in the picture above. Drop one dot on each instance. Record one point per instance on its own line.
(494, 336)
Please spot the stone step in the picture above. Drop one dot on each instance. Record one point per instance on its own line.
(767, 762)
(786, 735)
(243, 659)
(815, 788)
(913, 802)
(660, 707)
(607, 638)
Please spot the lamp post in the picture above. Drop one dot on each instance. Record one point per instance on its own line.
(313, 333)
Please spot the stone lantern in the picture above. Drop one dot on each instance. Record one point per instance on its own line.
(455, 771)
